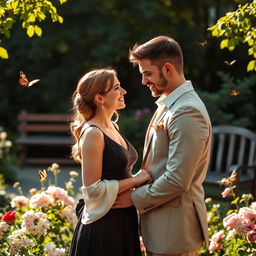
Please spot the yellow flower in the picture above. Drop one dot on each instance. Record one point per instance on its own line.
(73, 174)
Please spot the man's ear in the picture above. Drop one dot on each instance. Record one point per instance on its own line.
(168, 69)
(98, 99)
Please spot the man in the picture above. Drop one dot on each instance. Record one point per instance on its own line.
(176, 153)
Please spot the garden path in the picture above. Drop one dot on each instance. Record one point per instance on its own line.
(28, 178)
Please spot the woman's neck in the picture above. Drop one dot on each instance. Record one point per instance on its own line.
(103, 118)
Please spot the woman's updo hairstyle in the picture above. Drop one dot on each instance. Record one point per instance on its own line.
(98, 81)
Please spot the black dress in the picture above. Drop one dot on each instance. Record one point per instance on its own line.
(116, 233)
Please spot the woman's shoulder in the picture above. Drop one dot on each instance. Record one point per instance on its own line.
(91, 133)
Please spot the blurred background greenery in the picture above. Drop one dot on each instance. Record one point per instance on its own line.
(99, 33)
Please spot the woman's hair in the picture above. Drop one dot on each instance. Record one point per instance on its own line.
(158, 50)
(98, 81)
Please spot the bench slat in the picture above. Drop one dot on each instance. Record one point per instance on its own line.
(48, 160)
(45, 141)
(44, 117)
(221, 143)
(44, 128)
(231, 150)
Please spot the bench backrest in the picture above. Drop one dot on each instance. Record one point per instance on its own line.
(231, 145)
(37, 123)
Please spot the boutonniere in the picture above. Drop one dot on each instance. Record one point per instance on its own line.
(159, 125)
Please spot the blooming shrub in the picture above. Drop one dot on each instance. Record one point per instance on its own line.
(41, 224)
(234, 233)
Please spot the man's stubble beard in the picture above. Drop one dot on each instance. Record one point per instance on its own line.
(160, 87)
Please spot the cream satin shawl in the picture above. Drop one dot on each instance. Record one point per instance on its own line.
(99, 198)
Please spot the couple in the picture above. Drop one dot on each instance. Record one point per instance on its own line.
(167, 191)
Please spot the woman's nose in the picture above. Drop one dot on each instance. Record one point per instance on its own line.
(124, 91)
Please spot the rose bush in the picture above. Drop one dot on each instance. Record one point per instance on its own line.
(233, 233)
(41, 224)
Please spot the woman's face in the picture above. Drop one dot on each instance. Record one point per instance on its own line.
(114, 98)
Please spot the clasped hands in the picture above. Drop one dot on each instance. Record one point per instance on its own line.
(124, 199)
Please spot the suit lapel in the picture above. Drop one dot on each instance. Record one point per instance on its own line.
(158, 115)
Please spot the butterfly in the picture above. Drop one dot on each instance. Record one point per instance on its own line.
(231, 63)
(23, 80)
(42, 175)
(202, 44)
(234, 92)
(229, 181)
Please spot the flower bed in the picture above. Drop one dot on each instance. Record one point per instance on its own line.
(41, 224)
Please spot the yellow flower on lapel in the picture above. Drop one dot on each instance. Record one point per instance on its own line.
(159, 125)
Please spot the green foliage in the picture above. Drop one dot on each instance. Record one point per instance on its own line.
(233, 103)
(238, 27)
(98, 33)
(29, 13)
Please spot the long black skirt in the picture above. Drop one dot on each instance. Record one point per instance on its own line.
(115, 234)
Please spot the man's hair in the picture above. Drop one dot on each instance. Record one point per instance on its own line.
(158, 50)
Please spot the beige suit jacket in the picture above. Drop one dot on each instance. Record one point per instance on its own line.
(176, 153)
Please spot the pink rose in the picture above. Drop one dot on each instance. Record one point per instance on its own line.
(248, 226)
(226, 192)
(232, 221)
(247, 213)
(215, 246)
(217, 236)
(251, 236)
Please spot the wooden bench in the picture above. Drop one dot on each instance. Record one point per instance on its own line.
(43, 138)
(233, 149)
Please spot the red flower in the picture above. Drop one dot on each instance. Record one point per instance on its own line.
(9, 217)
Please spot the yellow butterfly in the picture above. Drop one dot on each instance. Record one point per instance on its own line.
(202, 44)
(234, 92)
(23, 80)
(42, 175)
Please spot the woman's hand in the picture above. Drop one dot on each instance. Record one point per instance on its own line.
(142, 177)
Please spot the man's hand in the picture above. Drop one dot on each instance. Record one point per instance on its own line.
(123, 200)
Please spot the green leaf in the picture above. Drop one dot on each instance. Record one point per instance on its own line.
(3, 53)
(31, 18)
(251, 65)
(30, 30)
(250, 42)
(14, 5)
(60, 19)
(229, 212)
(215, 32)
(224, 43)
(38, 31)
(41, 15)
(235, 201)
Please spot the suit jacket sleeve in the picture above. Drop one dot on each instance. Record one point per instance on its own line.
(188, 132)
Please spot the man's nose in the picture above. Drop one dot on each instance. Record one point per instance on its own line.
(144, 80)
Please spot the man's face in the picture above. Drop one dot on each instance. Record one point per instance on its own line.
(152, 77)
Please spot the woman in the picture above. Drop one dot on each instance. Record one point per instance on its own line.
(107, 159)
